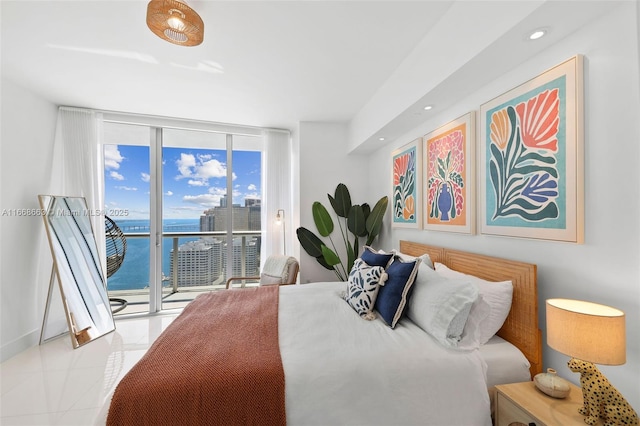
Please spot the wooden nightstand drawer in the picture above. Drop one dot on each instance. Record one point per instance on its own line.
(524, 403)
(509, 413)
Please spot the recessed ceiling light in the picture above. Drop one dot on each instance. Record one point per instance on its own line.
(537, 34)
(380, 139)
(428, 107)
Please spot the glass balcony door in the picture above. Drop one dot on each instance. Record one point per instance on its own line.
(195, 222)
(127, 170)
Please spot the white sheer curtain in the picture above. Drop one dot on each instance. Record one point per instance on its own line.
(277, 193)
(77, 169)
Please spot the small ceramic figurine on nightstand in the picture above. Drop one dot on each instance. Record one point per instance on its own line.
(552, 384)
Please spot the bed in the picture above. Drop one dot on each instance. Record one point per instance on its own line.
(328, 366)
(521, 326)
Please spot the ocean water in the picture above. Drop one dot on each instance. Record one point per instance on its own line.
(134, 272)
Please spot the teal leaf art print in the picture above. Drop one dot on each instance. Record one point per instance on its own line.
(405, 202)
(404, 183)
(523, 168)
(532, 157)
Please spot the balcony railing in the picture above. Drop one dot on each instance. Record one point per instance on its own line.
(173, 293)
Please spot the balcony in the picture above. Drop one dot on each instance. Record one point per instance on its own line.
(193, 263)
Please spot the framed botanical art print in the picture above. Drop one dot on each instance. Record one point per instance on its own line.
(449, 158)
(532, 158)
(406, 177)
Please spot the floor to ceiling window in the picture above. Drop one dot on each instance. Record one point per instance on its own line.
(189, 204)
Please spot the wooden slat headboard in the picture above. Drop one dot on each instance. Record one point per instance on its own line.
(521, 326)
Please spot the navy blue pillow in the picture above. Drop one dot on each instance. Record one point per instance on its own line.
(394, 294)
(373, 258)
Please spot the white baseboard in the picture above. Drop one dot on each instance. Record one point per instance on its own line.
(21, 344)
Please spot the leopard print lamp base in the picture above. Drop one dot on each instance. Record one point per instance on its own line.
(600, 398)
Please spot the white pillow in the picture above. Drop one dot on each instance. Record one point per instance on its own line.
(497, 295)
(425, 258)
(440, 306)
(473, 328)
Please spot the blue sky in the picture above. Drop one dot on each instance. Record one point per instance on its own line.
(193, 180)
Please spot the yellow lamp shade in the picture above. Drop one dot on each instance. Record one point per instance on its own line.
(587, 331)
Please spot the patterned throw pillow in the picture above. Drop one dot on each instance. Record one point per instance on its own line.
(362, 288)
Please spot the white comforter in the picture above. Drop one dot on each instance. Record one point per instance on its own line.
(343, 370)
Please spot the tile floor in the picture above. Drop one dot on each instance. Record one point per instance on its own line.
(54, 384)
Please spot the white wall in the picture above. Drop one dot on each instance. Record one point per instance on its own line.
(324, 164)
(28, 126)
(605, 269)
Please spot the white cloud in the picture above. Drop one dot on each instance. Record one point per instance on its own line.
(208, 200)
(211, 169)
(126, 188)
(252, 187)
(200, 170)
(169, 193)
(185, 165)
(204, 200)
(116, 176)
(145, 177)
(112, 157)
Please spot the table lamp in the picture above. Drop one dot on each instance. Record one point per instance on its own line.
(591, 333)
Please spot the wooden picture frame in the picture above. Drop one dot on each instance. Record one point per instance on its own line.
(449, 181)
(532, 167)
(405, 193)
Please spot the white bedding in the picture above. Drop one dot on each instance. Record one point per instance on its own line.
(343, 370)
(505, 362)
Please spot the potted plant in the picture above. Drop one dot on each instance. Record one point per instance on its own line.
(355, 221)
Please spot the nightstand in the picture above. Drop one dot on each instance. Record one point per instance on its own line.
(523, 403)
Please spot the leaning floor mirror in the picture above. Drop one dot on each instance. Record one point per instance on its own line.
(76, 267)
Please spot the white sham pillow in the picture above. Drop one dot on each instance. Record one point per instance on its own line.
(440, 306)
(497, 295)
(425, 258)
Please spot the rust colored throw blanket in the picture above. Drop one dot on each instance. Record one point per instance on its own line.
(218, 363)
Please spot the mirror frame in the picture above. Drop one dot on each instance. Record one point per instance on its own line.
(77, 267)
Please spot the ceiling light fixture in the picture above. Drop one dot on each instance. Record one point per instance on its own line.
(537, 34)
(175, 22)
(428, 107)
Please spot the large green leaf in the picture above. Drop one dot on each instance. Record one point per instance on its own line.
(330, 256)
(321, 261)
(356, 221)
(366, 209)
(309, 242)
(341, 202)
(322, 219)
(374, 221)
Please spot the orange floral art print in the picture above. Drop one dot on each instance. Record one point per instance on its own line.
(449, 189)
